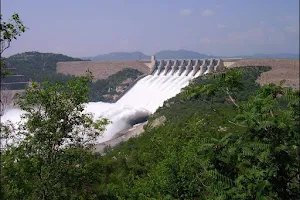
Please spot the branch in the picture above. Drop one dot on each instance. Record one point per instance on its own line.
(295, 175)
(232, 100)
(236, 124)
(8, 45)
(271, 113)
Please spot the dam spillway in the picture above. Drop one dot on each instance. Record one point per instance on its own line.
(165, 80)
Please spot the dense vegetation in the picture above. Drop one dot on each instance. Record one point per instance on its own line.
(210, 148)
(52, 148)
(102, 87)
(224, 138)
(39, 66)
(42, 67)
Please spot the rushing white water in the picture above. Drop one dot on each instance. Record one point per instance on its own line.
(146, 96)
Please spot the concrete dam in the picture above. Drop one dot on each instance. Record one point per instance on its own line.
(166, 78)
(185, 67)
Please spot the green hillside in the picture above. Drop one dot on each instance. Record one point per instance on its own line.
(42, 66)
(39, 66)
(208, 148)
(224, 137)
(105, 89)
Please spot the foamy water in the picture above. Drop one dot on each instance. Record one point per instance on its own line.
(143, 99)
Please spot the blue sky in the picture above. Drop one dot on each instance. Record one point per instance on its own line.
(218, 27)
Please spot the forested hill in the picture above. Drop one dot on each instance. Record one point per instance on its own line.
(221, 138)
(39, 66)
(42, 66)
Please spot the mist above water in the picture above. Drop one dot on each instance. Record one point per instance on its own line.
(145, 97)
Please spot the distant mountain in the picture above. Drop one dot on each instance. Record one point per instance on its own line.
(120, 56)
(279, 55)
(180, 54)
(166, 54)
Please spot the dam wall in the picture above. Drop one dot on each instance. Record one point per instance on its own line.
(184, 67)
(230, 61)
(104, 69)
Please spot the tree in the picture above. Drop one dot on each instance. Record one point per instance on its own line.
(228, 82)
(9, 31)
(51, 155)
(262, 160)
(268, 153)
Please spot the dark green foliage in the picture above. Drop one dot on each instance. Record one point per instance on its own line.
(107, 86)
(51, 157)
(208, 149)
(40, 66)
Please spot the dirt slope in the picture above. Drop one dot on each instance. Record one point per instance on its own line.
(287, 69)
(100, 70)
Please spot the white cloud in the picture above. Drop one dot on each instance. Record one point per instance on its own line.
(222, 26)
(186, 12)
(208, 13)
(291, 29)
